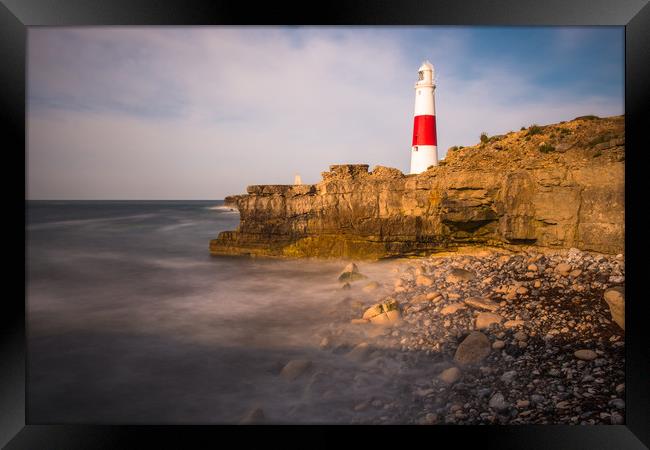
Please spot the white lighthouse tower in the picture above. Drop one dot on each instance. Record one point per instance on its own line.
(424, 150)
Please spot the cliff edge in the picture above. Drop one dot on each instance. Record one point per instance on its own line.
(558, 186)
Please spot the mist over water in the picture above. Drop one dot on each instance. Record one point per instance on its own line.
(130, 320)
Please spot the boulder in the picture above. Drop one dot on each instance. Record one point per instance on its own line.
(563, 269)
(474, 349)
(423, 280)
(383, 313)
(585, 354)
(294, 368)
(459, 275)
(452, 308)
(485, 319)
(351, 273)
(359, 353)
(482, 303)
(513, 324)
(615, 298)
(450, 376)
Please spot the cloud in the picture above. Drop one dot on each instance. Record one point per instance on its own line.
(201, 112)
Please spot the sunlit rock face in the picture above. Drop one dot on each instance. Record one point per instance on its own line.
(558, 186)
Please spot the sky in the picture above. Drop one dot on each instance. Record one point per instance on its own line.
(201, 112)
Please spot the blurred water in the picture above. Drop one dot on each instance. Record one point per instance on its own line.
(130, 320)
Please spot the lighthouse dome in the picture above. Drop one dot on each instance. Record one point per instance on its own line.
(426, 65)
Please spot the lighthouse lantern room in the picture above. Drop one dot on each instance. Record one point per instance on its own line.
(424, 150)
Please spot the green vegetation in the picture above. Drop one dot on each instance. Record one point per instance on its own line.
(484, 138)
(453, 149)
(442, 163)
(589, 117)
(522, 128)
(496, 137)
(546, 148)
(535, 129)
(565, 131)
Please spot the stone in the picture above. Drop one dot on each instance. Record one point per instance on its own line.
(434, 296)
(537, 284)
(498, 402)
(513, 324)
(474, 349)
(423, 280)
(451, 375)
(485, 319)
(382, 313)
(532, 268)
(520, 336)
(351, 273)
(615, 298)
(563, 269)
(509, 376)
(459, 275)
(521, 290)
(359, 353)
(522, 404)
(254, 416)
(294, 368)
(575, 273)
(359, 321)
(617, 403)
(585, 355)
(498, 344)
(325, 343)
(482, 303)
(452, 308)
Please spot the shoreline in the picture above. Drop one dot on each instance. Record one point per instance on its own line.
(506, 338)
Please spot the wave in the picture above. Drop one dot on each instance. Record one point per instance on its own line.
(63, 223)
(222, 208)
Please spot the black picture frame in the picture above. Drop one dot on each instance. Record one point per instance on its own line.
(16, 15)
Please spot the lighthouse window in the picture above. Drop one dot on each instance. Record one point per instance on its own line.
(421, 75)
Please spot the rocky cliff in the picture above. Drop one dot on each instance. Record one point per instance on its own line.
(559, 185)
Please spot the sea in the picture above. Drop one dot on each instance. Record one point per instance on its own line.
(130, 320)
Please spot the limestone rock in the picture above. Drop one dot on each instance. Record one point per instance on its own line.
(351, 273)
(482, 303)
(359, 353)
(515, 196)
(423, 280)
(585, 354)
(295, 368)
(451, 375)
(459, 275)
(485, 319)
(473, 349)
(615, 298)
(563, 269)
(452, 308)
(383, 313)
(513, 324)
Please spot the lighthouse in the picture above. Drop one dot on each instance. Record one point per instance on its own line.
(424, 150)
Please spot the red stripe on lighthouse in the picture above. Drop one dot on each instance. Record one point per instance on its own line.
(424, 130)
